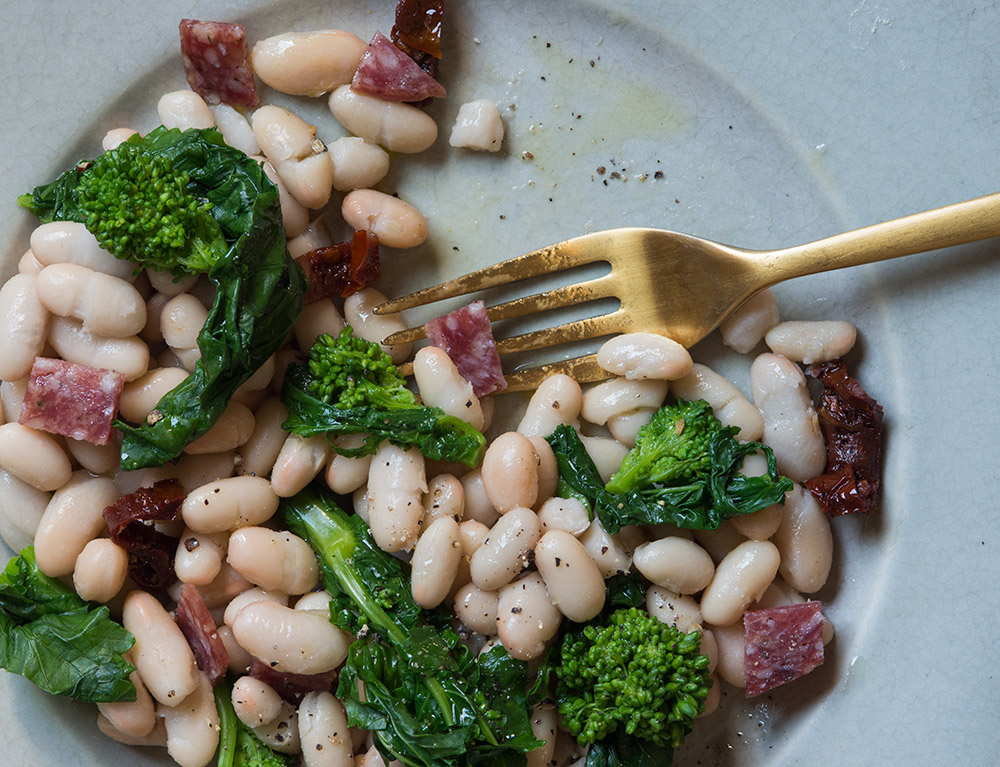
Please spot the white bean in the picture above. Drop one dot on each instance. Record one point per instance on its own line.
(731, 642)
(161, 653)
(199, 556)
(315, 236)
(294, 214)
(233, 428)
(152, 331)
(307, 63)
(317, 318)
(24, 323)
(804, 541)
(607, 454)
(608, 551)
(741, 578)
(235, 128)
(747, 325)
(398, 127)
(229, 503)
(791, 427)
(195, 470)
(100, 570)
(273, 560)
(548, 469)
(477, 609)
(374, 327)
(135, 718)
(396, 484)
(441, 385)
(809, 342)
(293, 641)
(106, 305)
(28, 264)
(672, 608)
(728, 402)
(140, 397)
(324, 732)
(193, 726)
(472, 534)
(477, 504)
(299, 157)
(314, 601)
(281, 734)
(299, 461)
(12, 397)
(115, 137)
(184, 109)
(128, 356)
(478, 126)
(435, 562)
(719, 542)
(558, 400)
(761, 524)
(526, 617)
(34, 456)
(504, 553)
(169, 284)
(675, 563)
(779, 594)
(68, 242)
(713, 698)
(344, 475)
(625, 427)
(220, 592)
(255, 702)
(396, 223)
(445, 497)
(357, 164)
(621, 396)
(239, 659)
(21, 509)
(544, 720)
(249, 597)
(644, 355)
(260, 451)
(572, 579)
(567, 514)
(97, 459)
(510, 472)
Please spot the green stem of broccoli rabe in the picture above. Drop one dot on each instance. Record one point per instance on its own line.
(186, 203)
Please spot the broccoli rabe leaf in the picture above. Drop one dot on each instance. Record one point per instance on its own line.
(259, 287)
(58, 641)
(350, 386)
(684, 469)
(622, 750)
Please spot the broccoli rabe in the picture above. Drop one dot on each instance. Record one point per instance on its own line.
(351, 386)
(629, 676)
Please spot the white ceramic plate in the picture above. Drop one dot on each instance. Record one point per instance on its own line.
(771, 123)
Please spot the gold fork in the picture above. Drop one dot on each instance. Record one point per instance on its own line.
(681, 286)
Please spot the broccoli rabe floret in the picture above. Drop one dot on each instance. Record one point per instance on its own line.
(139, 208)
(631, 673)
(675, 445)
(350, 386)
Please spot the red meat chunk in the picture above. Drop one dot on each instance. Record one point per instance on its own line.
(781, 644)
(199, 629)
(217, 62)
(76, 401)
(467, 337)
(292, 687)
(385, 71)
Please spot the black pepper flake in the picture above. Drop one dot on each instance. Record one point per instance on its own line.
(455, 248)
(503, 217)
(601, 170)
(558, 561)
(516, 610)
(190, 544)
(543, 77)
(548, 45)
(604, 549)
(616, 175)
(658, 174)
(591, 62)
(605, 182)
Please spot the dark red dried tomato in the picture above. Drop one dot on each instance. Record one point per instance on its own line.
(199, 630)
(418, 26)
(851, 422)
(342, 268)
(150, 552)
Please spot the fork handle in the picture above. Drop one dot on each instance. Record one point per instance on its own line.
(956, 224)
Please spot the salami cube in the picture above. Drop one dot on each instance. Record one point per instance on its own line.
(388, 73)
(467, 337)
(76, 401)
(782, 644)
(217, 62)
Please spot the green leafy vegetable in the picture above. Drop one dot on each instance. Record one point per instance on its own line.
(58, 641)
(238, 745)
(188, 203)
(428, 700)
(350, 386)
(684, 469)
(628, 677)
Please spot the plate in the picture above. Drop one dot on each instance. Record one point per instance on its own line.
(762, 125)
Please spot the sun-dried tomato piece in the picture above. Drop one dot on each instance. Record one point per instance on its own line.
(292, 687)
(851, 422)
(150, 552)
(418, 25)
(199, 629)
(342, 268)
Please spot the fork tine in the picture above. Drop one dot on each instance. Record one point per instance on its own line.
(591, 327)
(583, 369)
(556, 298)
(547, 260)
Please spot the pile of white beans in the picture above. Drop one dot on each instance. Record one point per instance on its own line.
(495, 543)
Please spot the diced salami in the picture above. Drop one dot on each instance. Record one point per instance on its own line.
(341, 269)
(199, 629)
(385, 71)
(76, 401)
(150, 552)
(467, 337)
(782, 644)
(217, 62)
(292, 687)
(851, 422)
